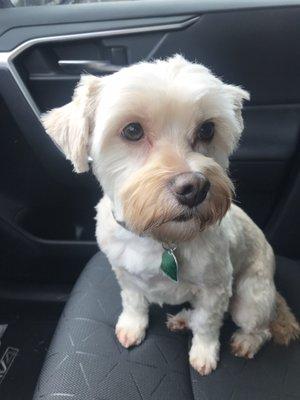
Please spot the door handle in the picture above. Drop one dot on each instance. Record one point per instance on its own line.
(93, 66)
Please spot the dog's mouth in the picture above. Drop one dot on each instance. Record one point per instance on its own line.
(186, 216)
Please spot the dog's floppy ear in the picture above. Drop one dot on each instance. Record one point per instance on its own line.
(70, 126)
(238, 95)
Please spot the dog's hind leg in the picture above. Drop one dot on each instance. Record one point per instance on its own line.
(247, 344)
(179, 321)
(260, 311)
(252, 308)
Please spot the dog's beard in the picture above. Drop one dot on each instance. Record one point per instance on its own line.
(149, 208)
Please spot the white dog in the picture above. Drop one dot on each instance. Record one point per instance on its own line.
(160, 135)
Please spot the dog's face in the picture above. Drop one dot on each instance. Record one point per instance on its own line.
(160, 135)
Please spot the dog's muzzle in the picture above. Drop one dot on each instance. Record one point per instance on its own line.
(190, 188)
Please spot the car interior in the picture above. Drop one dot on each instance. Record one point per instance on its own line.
(59, 300)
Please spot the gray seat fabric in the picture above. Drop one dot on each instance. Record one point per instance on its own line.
(85, 361)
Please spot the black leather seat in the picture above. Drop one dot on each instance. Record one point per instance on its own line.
(85, 361)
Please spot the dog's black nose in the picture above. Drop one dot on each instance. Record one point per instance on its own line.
(190, 188)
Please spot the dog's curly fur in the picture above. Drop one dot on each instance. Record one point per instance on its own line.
(225, 261)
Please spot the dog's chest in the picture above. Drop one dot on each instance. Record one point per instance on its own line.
(137, 263)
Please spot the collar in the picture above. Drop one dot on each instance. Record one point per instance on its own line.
(124, 226)
(121, 223)
(166, 246)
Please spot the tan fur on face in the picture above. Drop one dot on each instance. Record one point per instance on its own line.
(211, 211)
(220, 195)
(147, 203)
(150, 207)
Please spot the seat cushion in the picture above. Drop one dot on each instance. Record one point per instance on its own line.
(86, 362)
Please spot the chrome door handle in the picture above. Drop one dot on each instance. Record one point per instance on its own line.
(79, 66)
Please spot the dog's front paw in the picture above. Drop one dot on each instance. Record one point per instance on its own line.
(129, 337)
(204, 357)
(130, 331)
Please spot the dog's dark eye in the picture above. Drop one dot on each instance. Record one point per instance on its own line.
(206, 131)
(133, 131)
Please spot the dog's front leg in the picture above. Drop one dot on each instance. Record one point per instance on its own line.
(205, 321)
(133, 321)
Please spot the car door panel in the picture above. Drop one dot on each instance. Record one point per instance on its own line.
(244, 44)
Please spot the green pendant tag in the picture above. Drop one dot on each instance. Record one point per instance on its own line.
(169, 265)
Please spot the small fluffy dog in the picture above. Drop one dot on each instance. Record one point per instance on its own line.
(160, 134)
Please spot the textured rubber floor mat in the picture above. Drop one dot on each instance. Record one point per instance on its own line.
(23, 348)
